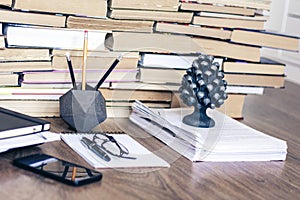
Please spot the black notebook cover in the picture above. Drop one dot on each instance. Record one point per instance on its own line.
(15, 124)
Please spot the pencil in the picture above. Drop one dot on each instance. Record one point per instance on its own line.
(73, 173)
(85, 49)
(71, 69)
(108, 71)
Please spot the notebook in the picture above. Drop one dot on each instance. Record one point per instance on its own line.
(14, 124)
(142, 157)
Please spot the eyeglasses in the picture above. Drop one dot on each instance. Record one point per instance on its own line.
(110, 145)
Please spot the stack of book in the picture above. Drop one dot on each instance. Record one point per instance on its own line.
(19, 130)
(231, 31)
(37, 35)
(34, 57)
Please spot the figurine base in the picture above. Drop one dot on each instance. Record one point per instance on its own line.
(199, 119)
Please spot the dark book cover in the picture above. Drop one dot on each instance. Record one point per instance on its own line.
(15, 124)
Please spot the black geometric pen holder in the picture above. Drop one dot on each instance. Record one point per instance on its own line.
(83, 110)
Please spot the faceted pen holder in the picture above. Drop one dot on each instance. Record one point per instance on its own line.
(83, 110)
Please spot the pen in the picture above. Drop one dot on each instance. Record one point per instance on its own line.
(109, 71)
(94, 148)
(44, 137)
(71, 69)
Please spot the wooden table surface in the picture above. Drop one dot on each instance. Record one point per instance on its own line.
(275, 113)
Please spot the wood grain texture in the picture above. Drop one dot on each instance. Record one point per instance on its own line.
(275, 113)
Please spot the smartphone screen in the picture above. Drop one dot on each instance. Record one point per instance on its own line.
(58, 169)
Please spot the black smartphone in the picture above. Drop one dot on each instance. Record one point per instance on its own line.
(58, 169)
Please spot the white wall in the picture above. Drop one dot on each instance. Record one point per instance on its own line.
(285, 18)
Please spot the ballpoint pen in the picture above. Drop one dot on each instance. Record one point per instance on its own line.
(94, 148)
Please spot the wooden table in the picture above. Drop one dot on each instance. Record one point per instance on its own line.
(275, 113)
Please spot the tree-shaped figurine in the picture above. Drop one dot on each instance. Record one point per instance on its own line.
(203, 87)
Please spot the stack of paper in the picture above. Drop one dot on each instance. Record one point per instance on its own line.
(229, 140)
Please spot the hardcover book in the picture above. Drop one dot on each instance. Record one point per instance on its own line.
(56, 38)
(93, 8)
(14, 124)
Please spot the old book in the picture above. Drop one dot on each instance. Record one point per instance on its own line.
(2, 42)
(157, 104)
(265, 66)
(193, 30)
(138, 85)
(161, 75)
(265, 39)
(58, 38)
(255, 17)
(95, 60)
(24, 54)
(272, 81)
(156, 75)
(110, 95)
(242, 89)
(21, 93)
(131, 94)
(217, 8)
(6, 3)
(92, 76)
(233, 106)
(175, 87)
(170, 61)
(34, 108)
(257, 4)
(50, 108)
(109, 24)
(23, 17)
(165, 16)
(9, 79)
(75, 7)
(15, 124)
(21, 66)
(229, 23)
(174, 61)
(54, 85)
(226, 49)
(145, 42)
(167, 5)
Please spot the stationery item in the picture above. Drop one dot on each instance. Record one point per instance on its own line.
(108, 71)
(229, 140)
(14, 124)
(122, 149)
(84, 57)
(94, 148)
(27, 140)
(71, 69)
